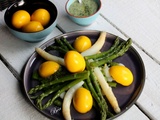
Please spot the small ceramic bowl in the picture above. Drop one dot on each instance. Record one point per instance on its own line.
(85, 20)
(30, 6)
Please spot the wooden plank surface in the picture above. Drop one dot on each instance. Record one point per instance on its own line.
(149, 99)
(13, 105)
(133, 114)
(138, 19)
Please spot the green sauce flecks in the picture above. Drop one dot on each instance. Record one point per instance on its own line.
(86, 8)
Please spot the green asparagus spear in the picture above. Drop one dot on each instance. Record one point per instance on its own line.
(98, 100)
(47, 93)
(98, 90)
(61, 44)
(58, 102)
(96, 93)
(59, 48)
(102, 54)
(58, 80)
(119, 53)
(57, 94)
(112, 84)
(114, 51)
(69, 46)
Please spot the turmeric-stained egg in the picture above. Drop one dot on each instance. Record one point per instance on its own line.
(48, 68)
(82, 100)
(74, 61)
(82, 43)
(121, 75)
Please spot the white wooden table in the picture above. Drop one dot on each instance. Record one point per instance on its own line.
(137, 19)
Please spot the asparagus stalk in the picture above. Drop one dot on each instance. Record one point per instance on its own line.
(102, 54)
(60, 49)
(97, 93)
(47, 93)
(57, 94)
(59, 80)
(61, 44)
(119, 53)
(69, 46)
(58, 102)
(98, 100)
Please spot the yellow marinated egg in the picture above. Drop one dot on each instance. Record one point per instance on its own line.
(82, 100)
(82, 43)
(48, 68)
(20, 18)
(74, 61)
(41, 15)
(32, 26)
(121, 75)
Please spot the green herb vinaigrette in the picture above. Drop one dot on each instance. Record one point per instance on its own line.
(86, 8)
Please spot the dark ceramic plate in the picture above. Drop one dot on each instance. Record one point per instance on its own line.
(126, 96)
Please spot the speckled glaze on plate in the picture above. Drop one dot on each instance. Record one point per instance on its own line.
(126, 96)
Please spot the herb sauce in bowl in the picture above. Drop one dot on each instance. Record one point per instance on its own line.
(86, 8)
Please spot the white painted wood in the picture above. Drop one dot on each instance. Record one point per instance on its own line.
(13, 105)
(149, 99)
(139, 19)
(133, 114)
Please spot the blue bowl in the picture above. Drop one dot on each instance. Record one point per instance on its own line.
(30, 6)
(86, 20)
